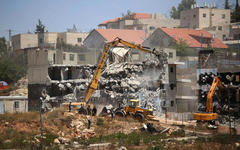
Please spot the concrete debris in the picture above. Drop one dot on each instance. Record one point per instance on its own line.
(63, 140)
(165, 130)
(122, 148)
(21, 88)
(99, 145)
(118, 83)
(56, 141)
(182, 138)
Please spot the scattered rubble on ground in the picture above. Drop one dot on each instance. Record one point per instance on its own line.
(21, 87)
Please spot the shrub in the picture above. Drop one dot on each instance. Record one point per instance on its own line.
(99, 121)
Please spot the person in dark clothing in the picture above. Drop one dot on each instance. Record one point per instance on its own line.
(89, 123)
(89, 110)
(70, 105)
(94, 111)
(112, 113)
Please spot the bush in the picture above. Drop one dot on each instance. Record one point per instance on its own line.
(99, 121)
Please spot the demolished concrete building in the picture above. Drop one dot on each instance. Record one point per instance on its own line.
(119, 81)
(225, 65)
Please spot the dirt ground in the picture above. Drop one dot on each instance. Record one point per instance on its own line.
(68, 130)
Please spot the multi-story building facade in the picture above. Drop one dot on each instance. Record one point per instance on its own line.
(73, 38)
(47, 39)
(214, 20)
(21, 41)
(140, 21)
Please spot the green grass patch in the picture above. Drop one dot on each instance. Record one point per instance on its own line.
(132, 139)
(21, 117)
(99, 121)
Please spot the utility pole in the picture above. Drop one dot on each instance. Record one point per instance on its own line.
(10, 34)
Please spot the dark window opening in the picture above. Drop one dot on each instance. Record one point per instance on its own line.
(170, 55)
(71, 57)
(161, 86)
(172, 103)
(223, 16)
(219, 27)
(204, 15)
(172, 86)
(54, 58)
(151, 27)
(40, 40)
(79, 40)
(16, 104)
(171, 69)
(81, 57)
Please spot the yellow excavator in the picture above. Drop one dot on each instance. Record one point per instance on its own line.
(209, 115)
(95, 79)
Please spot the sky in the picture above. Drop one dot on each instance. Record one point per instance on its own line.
(22, 16)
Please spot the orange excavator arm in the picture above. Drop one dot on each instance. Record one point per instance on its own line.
(216, 83)
(95, 79)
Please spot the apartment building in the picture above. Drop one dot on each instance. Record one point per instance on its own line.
(26, 40)
(73, 38)
(47, 39)
(140, 21)
(214, 20)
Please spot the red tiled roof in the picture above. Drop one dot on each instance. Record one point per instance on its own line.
(110, 20)
(142, 15)
(135, 36)
(187, 35)
(134, 15)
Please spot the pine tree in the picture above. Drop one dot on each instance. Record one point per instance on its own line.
(184, 5)
(226, 4)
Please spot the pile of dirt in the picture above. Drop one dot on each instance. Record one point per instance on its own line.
(21, 88)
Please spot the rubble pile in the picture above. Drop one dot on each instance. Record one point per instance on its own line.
(78, 128)
(224, 99)
(118, 83)
(124, 81)
(21, 88)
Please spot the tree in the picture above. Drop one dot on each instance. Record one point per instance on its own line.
(40, 28)
(12, 66)
(174, 13)
(226, 4)
(3, 47)
(184, 5)
(235, 15)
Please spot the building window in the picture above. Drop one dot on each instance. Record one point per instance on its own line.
(172, 103)
(223, 16)
(219, 27)
(204, 15)
(164, 103)
(171, 69)
(16, 104)
(194, 16)
(161, 86)
(212, 14)
(79, 40)
(170, 55)
(151, 28)
(71, 57)
(64, 56)
(224, 36)
(40, 40)
(81, 57)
